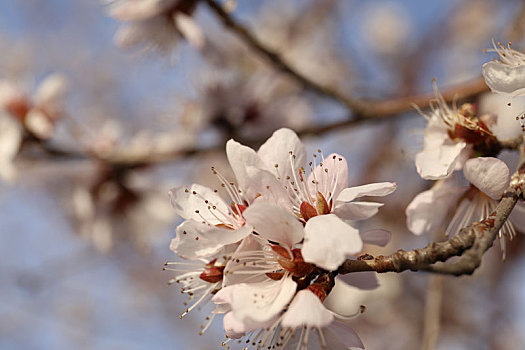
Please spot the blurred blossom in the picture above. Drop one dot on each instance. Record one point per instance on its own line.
(255, 104)
(10, 140)
(115, 208)
(40, 111)
(505, 111)
(110, 143)
(155, 24)
(386, 27)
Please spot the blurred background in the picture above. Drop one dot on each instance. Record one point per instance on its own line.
(105, 108)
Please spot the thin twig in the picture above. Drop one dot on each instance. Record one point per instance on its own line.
(360, 108)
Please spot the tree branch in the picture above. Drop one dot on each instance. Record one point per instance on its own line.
(361, 108)
(470, 243)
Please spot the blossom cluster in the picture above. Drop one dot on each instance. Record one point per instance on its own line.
(268, 255)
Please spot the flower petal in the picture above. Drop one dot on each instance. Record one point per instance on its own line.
(490, 175)
(263, 185)
(356, 210)
(276, 150)
(439, 162)
(306, 310)
(347, 336)
(249, 244)
(330, 178)
(427, 211)
(196, 240)
(363, 280)
(274, 224)
(503, 78)
(190, 30)
(377, 237)
(10, 140)
(241, 157)
(374, 189)
(257, 302)
(51, 90)
(329, 241)
(232, 327)
(199, 203)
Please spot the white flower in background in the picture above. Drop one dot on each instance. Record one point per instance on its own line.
(489, 177)
(39, 112)
(10, 140)
(255, 104)
(156, 23)
(508, 121)
(451, 136)
(507, 73)
(322, 200)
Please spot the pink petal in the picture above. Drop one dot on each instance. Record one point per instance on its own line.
(329, 241)
(306, 310)
(274, 224)
(276, 150)
(232, 327)
(490, 175)
(333, 181)
(377, 237)
(503, 78)
(196, 240)
(263, 185)
(362, 280)
(374, 189)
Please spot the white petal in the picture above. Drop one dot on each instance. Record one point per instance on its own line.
(39, 124)
(232, 327)
(331, 178)
(241, 157)
(506, 126)
(437, 163)
(346, 335)
(276, 150)
(517, 217)
(137, 10)
(375, 189)
(52, 90)
(502, 78)
(345, 299)
(190, 30)
(187, 200)
(306, 310)
(274, 224)
(263, 185)
(258, 302)
(377, 237)
(249, 244)
(356, 210)
(428, 210)
(329, 241)
(196, 240)
(363, 280)
(490, 175)
(10, 140)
